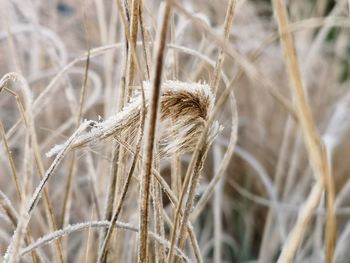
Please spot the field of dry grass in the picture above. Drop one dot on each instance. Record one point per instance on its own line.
(174, 131)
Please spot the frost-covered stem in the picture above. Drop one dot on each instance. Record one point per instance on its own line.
(150, 133)
(94, 224)
(71, 171)
(115, 156)
(36, 196)
(113, 174)
(191, 194)
(220, 59)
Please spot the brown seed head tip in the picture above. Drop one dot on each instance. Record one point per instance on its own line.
(185, 110)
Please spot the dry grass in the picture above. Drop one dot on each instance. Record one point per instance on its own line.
(115, 149)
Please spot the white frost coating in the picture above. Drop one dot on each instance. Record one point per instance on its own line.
(54, 150)
(176, 85)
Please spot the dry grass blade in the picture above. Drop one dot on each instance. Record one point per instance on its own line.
(12, 164)
(301, 225)
(66, 199)
(54, 164)
(317, 154)
(71, 170)
(117, 155)
(150, 132)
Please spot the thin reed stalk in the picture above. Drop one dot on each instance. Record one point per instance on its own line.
(150, 132)
(317, 154)
(71, 171)
(214, 83)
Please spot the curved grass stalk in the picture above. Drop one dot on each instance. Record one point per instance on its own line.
(94, 224)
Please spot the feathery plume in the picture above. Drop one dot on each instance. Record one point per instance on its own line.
(184, 106)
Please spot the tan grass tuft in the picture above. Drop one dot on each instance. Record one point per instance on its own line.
(185, 105)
